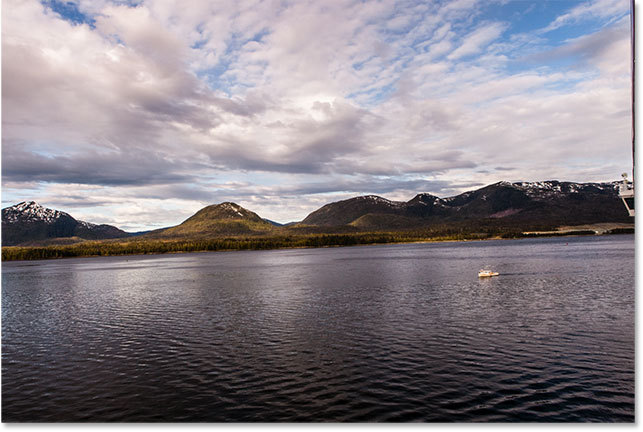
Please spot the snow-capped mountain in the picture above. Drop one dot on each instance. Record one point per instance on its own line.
(524, 203)
(503, 205)
(30, 222)
(32, 212)
(227, 218)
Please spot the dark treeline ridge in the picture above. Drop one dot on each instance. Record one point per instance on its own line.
(141, 247)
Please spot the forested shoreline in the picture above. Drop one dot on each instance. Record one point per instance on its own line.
(143, 247)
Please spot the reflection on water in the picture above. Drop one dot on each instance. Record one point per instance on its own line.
(376, 333)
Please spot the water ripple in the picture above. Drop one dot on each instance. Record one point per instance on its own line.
(402, 333)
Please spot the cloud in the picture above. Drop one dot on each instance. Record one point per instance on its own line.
(477, 40)
(588, 10)
(591, 47)
(91, 168)
(287, 105)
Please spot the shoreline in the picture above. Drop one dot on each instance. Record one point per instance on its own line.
(142, 248)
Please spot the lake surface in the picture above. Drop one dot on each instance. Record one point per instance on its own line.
(359, 334)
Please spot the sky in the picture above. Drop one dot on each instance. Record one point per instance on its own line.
(139, 113)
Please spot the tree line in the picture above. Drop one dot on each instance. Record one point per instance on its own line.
(153, 246)
(141, 247)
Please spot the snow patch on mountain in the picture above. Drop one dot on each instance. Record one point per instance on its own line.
(380, 200)
(87, 225)
(546, 189)
(32, 212)
(232, 208)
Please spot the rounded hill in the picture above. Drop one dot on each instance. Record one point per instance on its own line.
(226, 218)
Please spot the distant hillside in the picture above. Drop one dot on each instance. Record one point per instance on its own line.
(217, 220)
(346, 211)
(29, 222)
(499, 209)
(548, 203)
(271, 222)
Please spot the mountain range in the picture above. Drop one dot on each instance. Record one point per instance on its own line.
(516, 206)
(539, 203)
(225, 219)
(31, 223)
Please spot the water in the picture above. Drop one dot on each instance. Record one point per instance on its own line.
(372, 333)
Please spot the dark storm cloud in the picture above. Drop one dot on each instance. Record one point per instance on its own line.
(584, 48)
(89, 168)
(436, 163)
(365, 186)
(195, 192)
(305, 145)
(254, 103)
(65, 201)
(359, 186)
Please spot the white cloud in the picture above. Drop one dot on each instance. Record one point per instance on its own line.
(262, 102)
(590, 9)
(477, 40)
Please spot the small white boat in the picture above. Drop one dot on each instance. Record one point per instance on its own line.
(487, 273)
